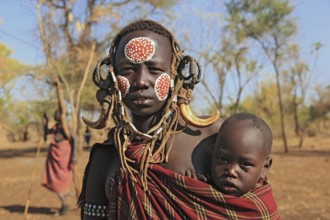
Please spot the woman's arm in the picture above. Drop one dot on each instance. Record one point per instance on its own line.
(74, 147)
(46, 129)
(93, 191)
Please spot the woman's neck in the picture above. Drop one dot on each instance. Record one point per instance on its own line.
(144, 123)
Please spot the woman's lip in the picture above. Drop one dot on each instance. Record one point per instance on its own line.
(142, 101)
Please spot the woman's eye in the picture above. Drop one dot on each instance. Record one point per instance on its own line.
(155, 70)
(126, 71)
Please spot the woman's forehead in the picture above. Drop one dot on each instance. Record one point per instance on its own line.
(139, 49)
(144, 33)
(148, 40)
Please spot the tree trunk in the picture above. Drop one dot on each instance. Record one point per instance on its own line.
(297, 129)
(51, 67)
(280, 103)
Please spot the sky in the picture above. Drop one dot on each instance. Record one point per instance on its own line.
(18, 31)
(313, 19)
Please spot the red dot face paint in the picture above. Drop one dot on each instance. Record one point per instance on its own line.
(162, 86)
(140, 49)
(123, 85)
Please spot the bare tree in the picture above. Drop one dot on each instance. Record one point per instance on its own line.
(269, 24)
(71, 35)
(300, 75)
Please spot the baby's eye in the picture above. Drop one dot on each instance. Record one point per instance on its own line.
(222, 160)
(246, 164)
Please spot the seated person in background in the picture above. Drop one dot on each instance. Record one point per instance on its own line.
(241, 158)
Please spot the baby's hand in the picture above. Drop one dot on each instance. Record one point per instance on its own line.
(195, 175)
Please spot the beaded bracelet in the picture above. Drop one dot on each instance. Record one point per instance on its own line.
(95, 210)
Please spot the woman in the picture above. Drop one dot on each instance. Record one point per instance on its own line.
(61, 156)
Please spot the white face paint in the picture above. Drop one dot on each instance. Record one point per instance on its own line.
(162, 86)
(140, 49)
(123, 85)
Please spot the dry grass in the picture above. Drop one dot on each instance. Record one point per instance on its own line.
(300, 180)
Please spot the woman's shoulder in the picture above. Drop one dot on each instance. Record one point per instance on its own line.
(100, 159)
(216, 125)
(207, 130)
(102, 151)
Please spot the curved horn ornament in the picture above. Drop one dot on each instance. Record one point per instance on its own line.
(192, 119)
(99, 124)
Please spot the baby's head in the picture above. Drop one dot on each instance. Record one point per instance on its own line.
(241, 154)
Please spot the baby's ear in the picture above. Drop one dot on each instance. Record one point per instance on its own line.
(267, 164)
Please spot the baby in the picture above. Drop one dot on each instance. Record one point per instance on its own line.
(241, 155)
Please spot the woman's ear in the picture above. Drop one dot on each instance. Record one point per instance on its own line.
(267, 164)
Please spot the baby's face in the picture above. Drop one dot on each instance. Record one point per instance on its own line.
(238, 159)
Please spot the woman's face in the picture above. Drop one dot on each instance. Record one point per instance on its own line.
(142, 66)
(57, 115)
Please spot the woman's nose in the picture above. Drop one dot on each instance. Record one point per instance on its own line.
(141, 78)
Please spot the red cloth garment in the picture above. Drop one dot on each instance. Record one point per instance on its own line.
(173, 196)
(57, 175)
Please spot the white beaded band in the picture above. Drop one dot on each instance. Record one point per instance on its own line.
(96, 210)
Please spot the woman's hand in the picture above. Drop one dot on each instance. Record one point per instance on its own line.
(72, 162)
(45, 117)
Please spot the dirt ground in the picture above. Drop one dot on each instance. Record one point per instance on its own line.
(300, 180)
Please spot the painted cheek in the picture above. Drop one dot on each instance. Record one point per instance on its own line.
(123, 84)
(162, 86)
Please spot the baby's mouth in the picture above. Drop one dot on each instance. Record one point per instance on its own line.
(228, 187)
